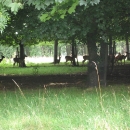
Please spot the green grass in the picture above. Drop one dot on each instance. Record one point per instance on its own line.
(66, 109)
(40, 69)
(62, 108)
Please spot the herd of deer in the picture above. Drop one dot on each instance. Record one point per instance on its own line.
(117, 58)
(70, 58)
(16, 60)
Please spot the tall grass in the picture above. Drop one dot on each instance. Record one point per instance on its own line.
(66, 109)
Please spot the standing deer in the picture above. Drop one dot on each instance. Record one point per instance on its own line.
(70, 58)
(2, 57)
(120, 57)
(18, 60)
(85, 57)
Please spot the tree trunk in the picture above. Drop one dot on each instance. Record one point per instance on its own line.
(103, 63)
(127, 47)
(93, 61)
(74, 52)
(110, 45)
(55, 51)
(22, 56)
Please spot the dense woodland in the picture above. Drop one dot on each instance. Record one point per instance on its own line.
(99, 24)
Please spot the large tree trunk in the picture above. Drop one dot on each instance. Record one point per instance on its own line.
(22, 56)
(55, 51)
(127, 47)
(93, 61)
(17, 52)
(73, 52)
(103, 63)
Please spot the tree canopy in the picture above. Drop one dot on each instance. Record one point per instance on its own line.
(15, 5)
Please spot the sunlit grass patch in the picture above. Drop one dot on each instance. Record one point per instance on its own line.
(43, 69)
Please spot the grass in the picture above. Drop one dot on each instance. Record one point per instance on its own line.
(62, 108)
(40, 69)
(66, 109)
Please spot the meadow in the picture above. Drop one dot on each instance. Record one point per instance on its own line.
(63, 108)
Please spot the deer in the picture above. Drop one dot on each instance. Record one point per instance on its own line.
(70, 58)
(120, 57)
(17, 60)
(85, 57)
(2, 57)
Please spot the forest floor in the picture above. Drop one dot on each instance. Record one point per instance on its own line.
(36, 81)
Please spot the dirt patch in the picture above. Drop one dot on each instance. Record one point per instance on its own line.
(6, 82)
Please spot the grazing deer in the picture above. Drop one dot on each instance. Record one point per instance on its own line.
(120, 57)
(85, 57)
(2, 57)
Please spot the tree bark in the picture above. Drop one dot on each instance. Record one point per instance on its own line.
(22, 56)
(127, 47)
(93, 61)
(110, 45)
(103, 63)
(55, 51)
(17, 52)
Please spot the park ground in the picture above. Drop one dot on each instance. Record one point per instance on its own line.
(120, 76)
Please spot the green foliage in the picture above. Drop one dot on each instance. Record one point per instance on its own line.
(15, 7)
(7, 51)
(89, 2)
(72, 8)
(6, 5)
(4, 16)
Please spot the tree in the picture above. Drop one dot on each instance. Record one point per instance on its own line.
(23, 28)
